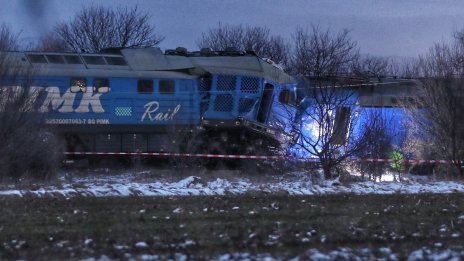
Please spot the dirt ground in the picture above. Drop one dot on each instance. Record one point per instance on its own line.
(206, 227)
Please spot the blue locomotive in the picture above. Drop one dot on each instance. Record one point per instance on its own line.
(228, 102)
(144, 100)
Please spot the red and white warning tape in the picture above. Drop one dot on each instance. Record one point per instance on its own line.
(411, 161)
(168, 154)
(228, 156)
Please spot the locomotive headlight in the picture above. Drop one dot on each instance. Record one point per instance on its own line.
(103, 89)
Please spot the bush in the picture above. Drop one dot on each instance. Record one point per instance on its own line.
(28, 148)
(377, 144)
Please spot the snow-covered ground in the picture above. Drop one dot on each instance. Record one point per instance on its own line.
(153, 183)
(342, 253)
(149, 183)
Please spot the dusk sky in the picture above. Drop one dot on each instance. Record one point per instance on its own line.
(385, 28)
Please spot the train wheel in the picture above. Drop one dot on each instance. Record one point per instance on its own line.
(213, 163)
(194, 144)
(258, 148)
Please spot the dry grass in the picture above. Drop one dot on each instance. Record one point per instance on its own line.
(204, 227)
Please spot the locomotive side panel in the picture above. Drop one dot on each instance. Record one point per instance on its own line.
(124, 103)
(130, 115)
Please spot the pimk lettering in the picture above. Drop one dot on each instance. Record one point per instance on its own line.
(64, 103)
(91, 102)
(151, 112)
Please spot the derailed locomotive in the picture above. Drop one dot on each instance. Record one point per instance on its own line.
(144, 100)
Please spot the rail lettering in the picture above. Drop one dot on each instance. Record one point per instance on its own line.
(151, 112)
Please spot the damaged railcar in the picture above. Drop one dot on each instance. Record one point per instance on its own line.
(144, 100)
(336, 112)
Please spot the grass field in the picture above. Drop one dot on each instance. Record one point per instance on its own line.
(143, 228)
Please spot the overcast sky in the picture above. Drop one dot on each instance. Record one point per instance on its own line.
(386, 28)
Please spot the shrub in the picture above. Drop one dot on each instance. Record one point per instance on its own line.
(28, 148)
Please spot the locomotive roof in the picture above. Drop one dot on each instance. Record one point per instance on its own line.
(150, 62)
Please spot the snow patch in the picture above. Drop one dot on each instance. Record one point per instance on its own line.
(130, 184)
(141, 245)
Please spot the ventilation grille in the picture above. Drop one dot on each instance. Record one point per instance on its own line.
(224, 103)
(205, 88)
(245, 105)
(205, 84)
(250, 84)
(226, 82)
(123, 111)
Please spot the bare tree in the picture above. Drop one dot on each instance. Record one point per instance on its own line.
(28, 148)
(327, 110)
(51, 42)
(439, 123)
(443, 100)
(327, 126)
(378, 138)
(407, 68)
(8, 39)
(442, 61)
(371, 66)
(322, 53)
(96, 27)
(246, 38)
